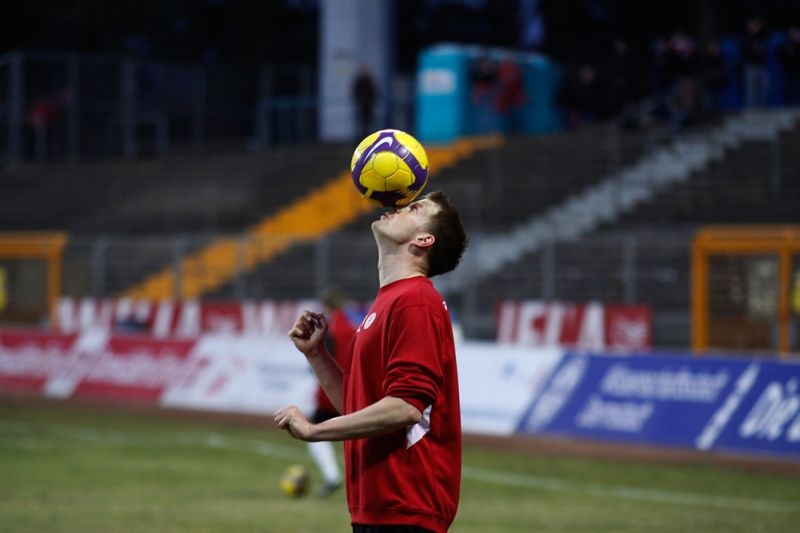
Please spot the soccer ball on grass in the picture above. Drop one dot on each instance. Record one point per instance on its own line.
(389, 168)
(295, 481)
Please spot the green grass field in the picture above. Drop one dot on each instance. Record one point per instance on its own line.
(66, 469)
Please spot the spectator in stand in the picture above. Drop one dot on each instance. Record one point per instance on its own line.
(683, 104)
(41, 116)
(337, 340)
(789, 55)
(681, 59)
(483, 88)
(577, 96)
(754, 58)
(617, 80)
(365, 94)
(660, 65)
(681, 70)
(715, 77)
(511, 93)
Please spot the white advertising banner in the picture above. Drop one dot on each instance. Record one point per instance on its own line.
(498, 383)
(240, 373)
(245, 374)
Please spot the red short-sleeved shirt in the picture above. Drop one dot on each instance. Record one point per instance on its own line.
(404, 348)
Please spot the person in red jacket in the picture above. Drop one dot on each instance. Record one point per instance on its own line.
(398, 391)
(340, 333)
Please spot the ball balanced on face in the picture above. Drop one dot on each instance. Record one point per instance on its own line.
(389, 168)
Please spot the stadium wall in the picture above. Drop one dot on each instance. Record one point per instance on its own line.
(710, 405)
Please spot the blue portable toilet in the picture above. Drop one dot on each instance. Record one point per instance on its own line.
(445, 109)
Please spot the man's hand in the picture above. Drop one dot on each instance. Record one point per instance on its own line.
(308, 332)
(294, 422)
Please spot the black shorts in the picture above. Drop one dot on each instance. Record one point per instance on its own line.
(361, 528)
(322, 415)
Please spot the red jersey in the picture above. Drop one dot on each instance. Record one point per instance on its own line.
(405, 348)
(341, 332)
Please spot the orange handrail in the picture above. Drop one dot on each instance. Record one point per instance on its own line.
(322, 211)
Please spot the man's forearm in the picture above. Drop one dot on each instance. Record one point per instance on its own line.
(329, 376)
(384, 416)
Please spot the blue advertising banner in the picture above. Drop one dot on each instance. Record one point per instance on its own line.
(767, 420)
(739, 405)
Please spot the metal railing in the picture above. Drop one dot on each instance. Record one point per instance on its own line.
(62, 106)
(617, 269)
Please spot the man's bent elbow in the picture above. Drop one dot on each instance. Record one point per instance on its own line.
(411, 414)
(406, 414)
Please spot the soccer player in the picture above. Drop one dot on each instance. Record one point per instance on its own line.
(398, 392)
(340, 332)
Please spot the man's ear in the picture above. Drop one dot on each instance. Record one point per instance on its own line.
(424, 241)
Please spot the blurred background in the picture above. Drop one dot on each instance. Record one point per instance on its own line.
(586, 143)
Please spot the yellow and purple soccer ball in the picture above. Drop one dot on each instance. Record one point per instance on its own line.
(295, 481)
(389, 168)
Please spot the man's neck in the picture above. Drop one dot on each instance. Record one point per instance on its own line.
(392, 268)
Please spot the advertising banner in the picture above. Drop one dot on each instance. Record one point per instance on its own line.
(764, 418)
(740, 405)
(587, 326)
(497, 382)
(703, 403)
(134, 369)
(30, 360)
(182, 319)
(245, 374)
(236, 373)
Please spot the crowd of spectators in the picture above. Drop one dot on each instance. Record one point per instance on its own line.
(684, 79)
(598, 91)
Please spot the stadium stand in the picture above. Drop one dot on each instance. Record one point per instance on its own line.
(752, 182)
(469, 183)
(185, 194)
(639, 255)
(116, 208)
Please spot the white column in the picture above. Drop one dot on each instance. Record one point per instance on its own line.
(352, 32)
